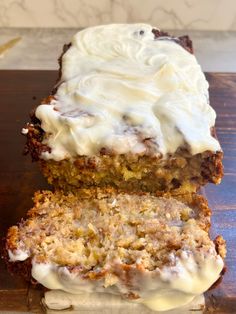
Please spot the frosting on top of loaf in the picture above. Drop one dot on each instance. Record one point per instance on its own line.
(125, 90)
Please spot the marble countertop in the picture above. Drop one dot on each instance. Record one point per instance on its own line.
(39, 48)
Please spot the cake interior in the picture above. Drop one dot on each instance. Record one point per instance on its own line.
(179, 174)
(77, 232)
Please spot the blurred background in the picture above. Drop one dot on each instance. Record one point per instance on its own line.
(45, 25)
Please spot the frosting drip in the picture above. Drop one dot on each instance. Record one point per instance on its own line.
(121, 87)
(162, 289)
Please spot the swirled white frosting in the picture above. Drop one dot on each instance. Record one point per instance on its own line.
(162, 289)
(121, 87)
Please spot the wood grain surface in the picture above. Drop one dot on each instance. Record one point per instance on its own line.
(20, 91)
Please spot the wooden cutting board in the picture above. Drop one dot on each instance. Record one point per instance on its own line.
(20, 91)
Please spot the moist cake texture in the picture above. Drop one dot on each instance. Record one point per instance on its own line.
(138, 246)
(130, 100)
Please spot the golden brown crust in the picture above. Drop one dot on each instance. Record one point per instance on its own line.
(220, 245)
(12, 237)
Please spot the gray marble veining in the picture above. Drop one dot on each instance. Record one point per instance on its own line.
(40, 48)
(167, 14)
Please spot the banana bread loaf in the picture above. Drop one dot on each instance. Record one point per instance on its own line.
(130, 110)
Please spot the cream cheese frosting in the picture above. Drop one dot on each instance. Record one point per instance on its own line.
(121, 86)
(162, 289)
(17, 255)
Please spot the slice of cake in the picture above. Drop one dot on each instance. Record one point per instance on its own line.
(131, 111)
(151, 250)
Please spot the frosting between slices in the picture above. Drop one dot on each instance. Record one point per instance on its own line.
(121, 87)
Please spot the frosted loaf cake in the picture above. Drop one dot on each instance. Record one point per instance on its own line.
(130, 110)
(126, 138)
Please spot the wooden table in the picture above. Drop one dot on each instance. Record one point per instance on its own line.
(20, 91)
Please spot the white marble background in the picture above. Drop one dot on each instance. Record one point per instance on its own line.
(166, 14)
